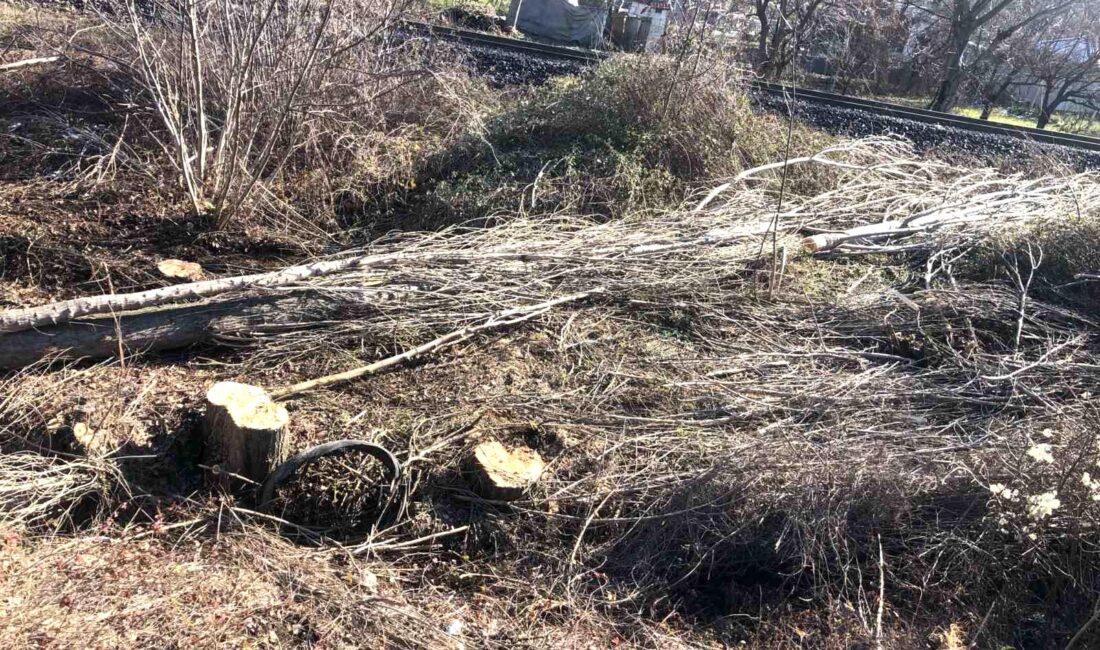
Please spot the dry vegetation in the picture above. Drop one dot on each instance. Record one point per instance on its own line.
(890, 443)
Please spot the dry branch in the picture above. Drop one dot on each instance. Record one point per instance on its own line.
(506, 318)
(26, 63)
(896, 203)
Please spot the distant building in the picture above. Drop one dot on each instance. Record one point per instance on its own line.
(631, 25)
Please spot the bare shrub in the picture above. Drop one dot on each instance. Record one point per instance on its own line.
(1060, 253)
(246, 94)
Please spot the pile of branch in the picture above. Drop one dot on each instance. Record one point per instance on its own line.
(887, 199)
(406, 289)
(407, 285)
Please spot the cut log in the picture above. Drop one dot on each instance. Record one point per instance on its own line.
(244, 430)
(828, 241)
(161, 329)
(504, 474)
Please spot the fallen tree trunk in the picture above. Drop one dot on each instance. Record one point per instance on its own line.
(159, 329)
(17, 320)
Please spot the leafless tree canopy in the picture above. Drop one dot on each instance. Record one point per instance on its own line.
(974, 51)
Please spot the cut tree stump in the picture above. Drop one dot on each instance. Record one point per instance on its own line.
(245, 431)
(505, 474)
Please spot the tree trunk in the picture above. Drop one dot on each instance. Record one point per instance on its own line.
(762, 39)
(994, 100)
(1046, 110)
(157, 330)
(1044, 118)
(59, 312)
(949, 88)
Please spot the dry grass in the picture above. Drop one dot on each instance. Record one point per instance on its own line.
(851, 454)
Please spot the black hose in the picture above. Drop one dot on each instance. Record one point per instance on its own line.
(287, 470)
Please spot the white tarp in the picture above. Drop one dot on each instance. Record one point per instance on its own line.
(559, 20)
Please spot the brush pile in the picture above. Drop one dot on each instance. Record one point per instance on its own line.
(883, 438)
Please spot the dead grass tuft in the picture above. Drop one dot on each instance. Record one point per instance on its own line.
(635, 135)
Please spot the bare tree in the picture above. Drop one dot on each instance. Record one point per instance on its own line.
(1066, 62)
(783, 25)
(984, 25)
(858, 39)
(1002, 71)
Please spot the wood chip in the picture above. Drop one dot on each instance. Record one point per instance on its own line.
(180, 270)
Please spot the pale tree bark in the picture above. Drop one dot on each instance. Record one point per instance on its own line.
(16, 320)
(25, 63)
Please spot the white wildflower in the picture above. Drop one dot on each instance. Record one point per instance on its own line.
(1041, 506)
(1047, 433)
(1041, 453)
(1092, 484)
(1003, 491)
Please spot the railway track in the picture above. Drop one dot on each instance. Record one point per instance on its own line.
(944, 120)
(502, 42)
(929, 117)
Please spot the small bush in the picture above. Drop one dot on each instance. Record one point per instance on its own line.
(634, 134)
(240, 97)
